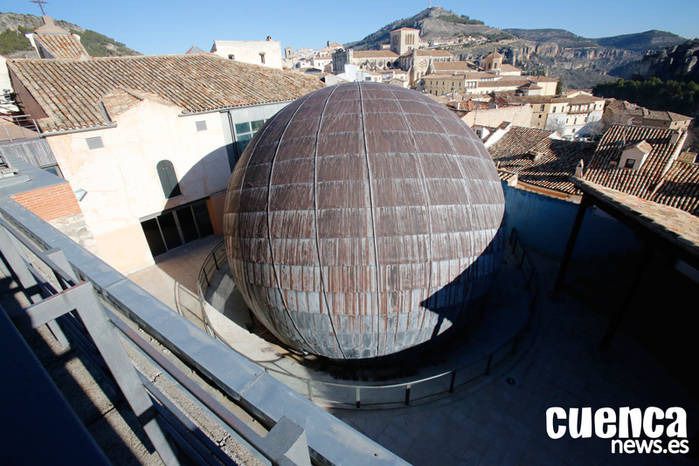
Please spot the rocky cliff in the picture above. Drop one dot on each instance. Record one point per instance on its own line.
(679, 63)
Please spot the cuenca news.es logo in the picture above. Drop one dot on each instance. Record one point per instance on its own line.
(631, 430)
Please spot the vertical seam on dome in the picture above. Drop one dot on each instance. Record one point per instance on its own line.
(315, 220)
(269, 224)
(463, 180)
(373, 221)
(429, 214)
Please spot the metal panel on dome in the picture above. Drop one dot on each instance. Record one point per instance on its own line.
(362, 220)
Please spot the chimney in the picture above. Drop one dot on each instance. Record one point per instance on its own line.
(579, 169)
(268, 38)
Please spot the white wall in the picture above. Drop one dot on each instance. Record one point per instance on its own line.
(5, 84)
(121, 179)
(248, 51)
(517, 115)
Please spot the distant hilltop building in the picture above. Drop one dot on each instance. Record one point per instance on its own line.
(403, 53)
(403, 40)
(266, 52)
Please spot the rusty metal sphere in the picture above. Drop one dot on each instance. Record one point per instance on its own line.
(362, 220)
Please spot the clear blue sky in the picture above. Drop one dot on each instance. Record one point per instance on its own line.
(157, 26)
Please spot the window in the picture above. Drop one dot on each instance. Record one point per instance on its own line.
(94, 143)
(53, 169)
(262, 58)
(168, 179)
(630, 163)
(178, 226)
(201, 125)
(231, 56)
(244, 133)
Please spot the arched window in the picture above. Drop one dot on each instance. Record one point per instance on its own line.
(168, 179)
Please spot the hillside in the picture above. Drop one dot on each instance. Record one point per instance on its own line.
(13, 26)
(560, 36)
(642, 41)
(680, 63)
(582, 62)
(434, 23)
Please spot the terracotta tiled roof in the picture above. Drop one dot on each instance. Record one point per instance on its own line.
(374, 54)
(680, 187)
(518, 140)
(539, 161)
(71, 91)
(508, 67)
(432, 53)
(62, 45)
(449, 66)
(604, 167)
(507, 81)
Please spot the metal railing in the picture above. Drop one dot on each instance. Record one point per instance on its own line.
(8, 132)
(85, 299)
(349, 395)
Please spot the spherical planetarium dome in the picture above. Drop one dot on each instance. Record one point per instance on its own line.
(362, 220)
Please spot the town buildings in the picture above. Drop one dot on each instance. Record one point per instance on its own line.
(266, 52)
(150, 141)
(645, 162)
(480, 82)
(533, 160)
(621, 112)
(575, 114)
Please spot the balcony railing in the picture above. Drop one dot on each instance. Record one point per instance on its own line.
(86, 303)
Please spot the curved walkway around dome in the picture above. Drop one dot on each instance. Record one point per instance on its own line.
(494, 342)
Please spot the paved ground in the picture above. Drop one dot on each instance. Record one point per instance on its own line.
(179, 265)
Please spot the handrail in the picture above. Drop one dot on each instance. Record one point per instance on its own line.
(213, 264)
(223, 369)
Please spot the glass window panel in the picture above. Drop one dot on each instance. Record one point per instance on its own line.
(186, 220)
(201, 215)
(169, 229)
(256, 125)
(242, 127)
(152, 232)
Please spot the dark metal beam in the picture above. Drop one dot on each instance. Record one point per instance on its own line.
(616, 319)
(570, 245)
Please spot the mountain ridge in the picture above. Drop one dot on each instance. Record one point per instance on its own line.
(582, 62)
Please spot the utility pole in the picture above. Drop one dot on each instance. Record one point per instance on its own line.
(41, 4)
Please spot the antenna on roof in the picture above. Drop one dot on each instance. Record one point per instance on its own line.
(41, 4)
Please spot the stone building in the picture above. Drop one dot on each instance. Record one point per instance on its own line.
(365, 59)
(403, 40)
(575, 114)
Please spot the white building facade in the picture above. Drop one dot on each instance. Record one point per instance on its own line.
(255, 52)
